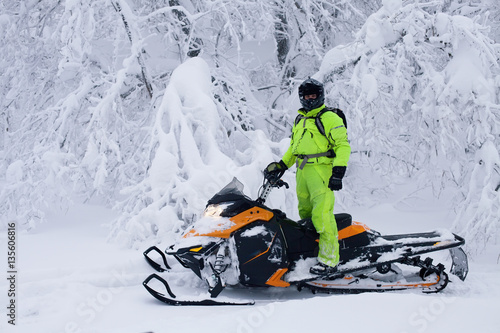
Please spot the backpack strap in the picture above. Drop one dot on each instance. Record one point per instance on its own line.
(319, 123)
(298, 118)
(317, 118)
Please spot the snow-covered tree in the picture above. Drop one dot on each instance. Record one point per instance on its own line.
(191, 158)
(32, 162)
(66, 127)
(420, 88)
(478, 218)
(80, 83)
(85, 110)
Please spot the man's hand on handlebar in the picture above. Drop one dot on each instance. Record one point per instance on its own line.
(279, 183)
(274, 171)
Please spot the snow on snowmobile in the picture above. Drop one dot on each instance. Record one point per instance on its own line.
(240, 241)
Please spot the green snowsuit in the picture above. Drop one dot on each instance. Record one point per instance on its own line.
(316, 200)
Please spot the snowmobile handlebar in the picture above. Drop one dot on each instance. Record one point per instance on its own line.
(280, 183)
(269, 183)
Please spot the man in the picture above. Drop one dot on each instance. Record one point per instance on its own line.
(321, 157)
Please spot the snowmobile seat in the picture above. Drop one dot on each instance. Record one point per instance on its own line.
(343, 220)
(351, 234)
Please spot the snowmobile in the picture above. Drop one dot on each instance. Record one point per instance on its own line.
(240, 241)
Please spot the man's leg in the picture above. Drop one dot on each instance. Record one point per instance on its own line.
(305, 206)
(322, 200)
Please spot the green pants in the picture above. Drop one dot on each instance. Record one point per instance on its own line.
(316, 201)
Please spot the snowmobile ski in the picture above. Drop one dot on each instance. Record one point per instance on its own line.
(158, 267)
(172, 300)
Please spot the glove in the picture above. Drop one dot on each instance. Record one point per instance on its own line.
(275, 170)
(335, 182)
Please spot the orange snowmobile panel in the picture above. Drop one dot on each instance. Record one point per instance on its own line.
(239, 221)
(276, 281)
(352, 230)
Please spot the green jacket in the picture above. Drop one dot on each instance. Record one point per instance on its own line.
(307, 140)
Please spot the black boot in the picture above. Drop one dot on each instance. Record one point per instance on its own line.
(322, 269)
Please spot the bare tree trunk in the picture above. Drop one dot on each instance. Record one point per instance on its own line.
(281, 35)
(148, 85)
(283, 41)
(195, 44)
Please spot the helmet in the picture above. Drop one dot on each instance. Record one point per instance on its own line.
(309, 87)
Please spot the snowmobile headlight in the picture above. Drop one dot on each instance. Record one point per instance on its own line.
(216, 210)
(213, 210)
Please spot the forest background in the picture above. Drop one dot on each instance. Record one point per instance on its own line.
(150, 107)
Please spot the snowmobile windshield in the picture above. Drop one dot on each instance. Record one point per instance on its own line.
(229, 195)
(234, 187)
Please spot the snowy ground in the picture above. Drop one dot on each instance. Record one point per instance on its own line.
(71, 280)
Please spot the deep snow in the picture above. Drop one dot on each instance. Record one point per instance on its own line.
(70, 279)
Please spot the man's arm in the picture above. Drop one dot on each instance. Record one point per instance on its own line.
(337, 135)
(289, 158)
